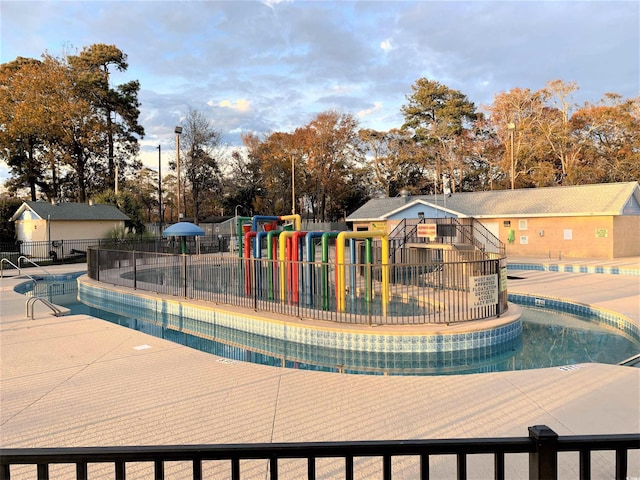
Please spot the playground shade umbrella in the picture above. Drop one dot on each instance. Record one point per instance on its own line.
(183, 229)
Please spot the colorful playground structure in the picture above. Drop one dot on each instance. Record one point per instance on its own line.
(291, 273)
(375, 277)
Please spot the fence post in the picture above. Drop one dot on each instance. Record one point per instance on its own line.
(254, 282)
(184, 261)
(496, 269)
(95, 256)
(135, 270)
(543, 461)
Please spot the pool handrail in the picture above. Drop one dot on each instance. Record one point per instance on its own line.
(31, 301)
(14, 266)
(22, 257)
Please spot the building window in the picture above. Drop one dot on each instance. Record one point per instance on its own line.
(523, 225)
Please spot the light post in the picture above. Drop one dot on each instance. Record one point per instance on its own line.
(160, 187)
(293, 185)
(512, 128)
(231, 229)
(178, 131)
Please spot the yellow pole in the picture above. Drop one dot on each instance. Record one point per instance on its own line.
(297, 220)
(282, 255)
(341, 294)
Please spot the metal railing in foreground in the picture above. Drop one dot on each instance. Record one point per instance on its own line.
(542, 446)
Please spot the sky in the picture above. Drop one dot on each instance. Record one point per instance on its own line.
(266, 66)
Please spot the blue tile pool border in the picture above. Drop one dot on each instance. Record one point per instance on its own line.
(571, 268)
(177, 314)
(617, 321)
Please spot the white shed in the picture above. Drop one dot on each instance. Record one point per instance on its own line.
(42, 221)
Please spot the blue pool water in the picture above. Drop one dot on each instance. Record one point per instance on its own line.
(548, 339)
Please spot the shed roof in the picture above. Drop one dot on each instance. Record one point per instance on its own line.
(579, 200)
(71, 211)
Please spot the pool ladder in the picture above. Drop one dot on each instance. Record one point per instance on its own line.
(20, 259)
(57, 310)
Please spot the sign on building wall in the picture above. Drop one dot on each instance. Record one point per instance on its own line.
(602, 233)
(427, 230)
(483, 290)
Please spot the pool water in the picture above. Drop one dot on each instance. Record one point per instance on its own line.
(548, 339)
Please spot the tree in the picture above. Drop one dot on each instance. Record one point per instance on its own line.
(127, 204)
(8, 207)
(484, 157)
(557, 142)
(394, 159)
(516, 116)
(57, 130)
(438, 117)
(92, 68)
(243, 182)
(351, 194)
(557, 128)
(377, 148)
(320, 159)
(144, 188)
(28, 116)
(611, 134)
(273, 161)
(199, 148)
(331, 147)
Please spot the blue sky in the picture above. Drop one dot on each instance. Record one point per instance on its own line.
(254, 66)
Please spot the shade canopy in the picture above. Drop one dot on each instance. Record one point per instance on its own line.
(183, 229)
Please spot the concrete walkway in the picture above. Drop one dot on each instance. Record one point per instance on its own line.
(81, 381)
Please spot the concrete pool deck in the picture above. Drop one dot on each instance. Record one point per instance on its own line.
(81, 381)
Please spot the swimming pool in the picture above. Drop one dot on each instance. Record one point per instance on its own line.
(547, 339)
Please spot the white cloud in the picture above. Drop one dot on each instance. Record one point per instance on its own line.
(386, 45)
(240, 105)
(273, 3)
(293, 59)
(377, 106)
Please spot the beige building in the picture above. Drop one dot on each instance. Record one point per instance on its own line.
(49, 222)
(585, 221)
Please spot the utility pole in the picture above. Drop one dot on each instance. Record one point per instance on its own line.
(178, 131)
(160, 188)
(512, 128)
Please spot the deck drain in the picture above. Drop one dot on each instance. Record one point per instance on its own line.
(227, 360)
(568, 368)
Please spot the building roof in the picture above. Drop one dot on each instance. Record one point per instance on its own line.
(71, 211)
(571, 201)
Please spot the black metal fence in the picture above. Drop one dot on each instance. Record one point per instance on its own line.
(542, 446)
(61, 251)
(447, 231)
(440, 292)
